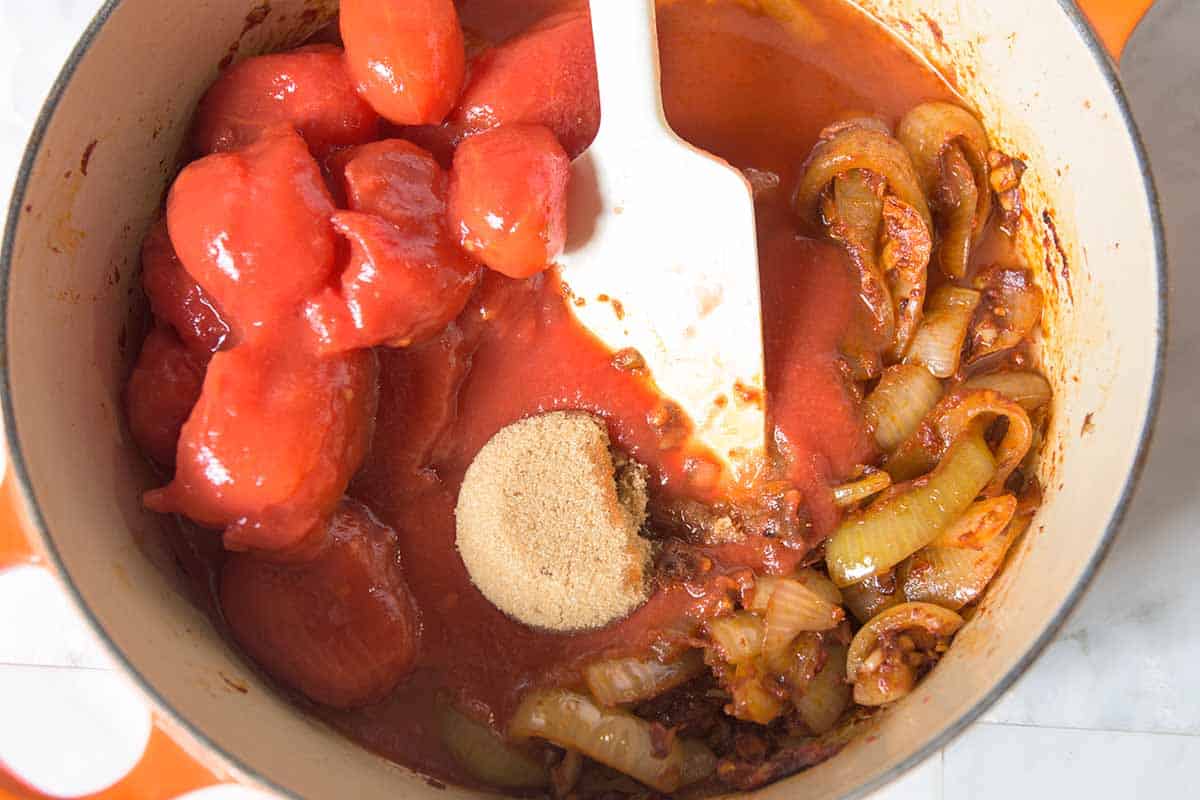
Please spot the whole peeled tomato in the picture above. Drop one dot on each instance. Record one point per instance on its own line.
(309, 89)
(252, 228)
(272, 443)
(406, 57)
(176, 298)
(545, 76)
(163, 388)
(508, 198)
(394, 179)
(399, 287)
(341, 628)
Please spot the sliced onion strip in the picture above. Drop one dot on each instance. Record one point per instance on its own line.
(889, 531)
(966, 409)
(868, 597)
(979, 524)
(929, 132)
(613, 737)
(485, 755)
(876, 663)
(738, 637)
(859, 144)
(621, 681)
(894, 410)
(821, 701)
(1028, 389)
(794, 609)
(851, 494)
(938, 342)
(953, 577)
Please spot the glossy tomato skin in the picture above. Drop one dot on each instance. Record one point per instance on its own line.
(176, 298)
(545, 76)
(393, 179)
(163, 388)
(272, 443)
(309, 89)
(398, 288)
(341, 628)
(406, 57)
(508, 198)
(252, 228)
(406, 278)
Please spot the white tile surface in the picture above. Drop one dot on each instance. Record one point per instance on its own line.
(70, 732)
(35, 38)
(226, 791)
(39, 626)
(1001, 762)
(1106, 694)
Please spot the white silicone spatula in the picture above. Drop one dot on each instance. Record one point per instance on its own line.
(671, 240)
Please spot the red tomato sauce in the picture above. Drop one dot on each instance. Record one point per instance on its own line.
(736, 83)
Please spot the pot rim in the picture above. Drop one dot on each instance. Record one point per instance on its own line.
(232, 763)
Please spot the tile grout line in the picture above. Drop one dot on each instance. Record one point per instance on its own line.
(1080, 729)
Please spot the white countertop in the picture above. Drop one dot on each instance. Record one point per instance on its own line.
(1110, 710)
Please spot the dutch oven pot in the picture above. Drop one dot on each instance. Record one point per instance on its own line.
(94, 175)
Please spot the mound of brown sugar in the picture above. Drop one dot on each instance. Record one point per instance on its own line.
(548, 523)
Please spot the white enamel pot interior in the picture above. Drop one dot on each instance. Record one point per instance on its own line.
(1035, 72)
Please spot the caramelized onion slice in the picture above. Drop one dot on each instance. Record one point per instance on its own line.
(738, 637)
(953, 577)
(904, 261)
(799, 661)
(612, 737)
(1006, 183)
(949, 150)
(893, 528)
(751, 700)
(851, 494)
(957, 411)
(620, 681)
(1029, 390)
(486, 756)
(821, 701)
(819, 585)
(759, 598)
(979, 524)
(859, 183)
(887, 653)
(1009, 310)
(862, 144)
(964, 410)
(793, 609)
(905, 394)
(956, 201)
(871, 595)
(938, 343)
(853, 214)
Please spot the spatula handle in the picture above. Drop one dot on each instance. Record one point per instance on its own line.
(626, 41)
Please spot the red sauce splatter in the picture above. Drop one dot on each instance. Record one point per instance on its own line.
(86, 159)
